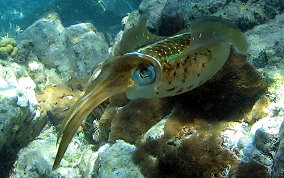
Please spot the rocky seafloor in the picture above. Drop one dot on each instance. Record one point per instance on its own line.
(232, 126)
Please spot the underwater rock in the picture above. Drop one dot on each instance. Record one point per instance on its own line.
(245, 14)
(265, 47)
(19, 114)
(36, 159)
(115, 161)
(278, 167)
(262, 140)
(252, 169)
(89, 45)
(64, 50)
(50, 46)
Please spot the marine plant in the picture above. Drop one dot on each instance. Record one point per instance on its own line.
(12, 31)
(167, 67)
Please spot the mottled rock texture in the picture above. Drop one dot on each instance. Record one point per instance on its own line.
(20, 120)
(167, 17)
(278, 167)
(71, 52)
(36, 159)
(115, 161)
(265, 43)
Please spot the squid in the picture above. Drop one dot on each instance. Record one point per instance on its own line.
(150, 66)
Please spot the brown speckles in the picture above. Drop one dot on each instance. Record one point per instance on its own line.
(167, 68)
(203, 65)
(177, 65)
(208, 50)
(184, 74)
(179, 91)
(174, 74)
(190, 87)
(157, 92)
(171, 89)
(170, 82)
(184, 62)
(198, 75)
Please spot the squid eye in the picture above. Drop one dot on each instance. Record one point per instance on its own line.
(144, 75)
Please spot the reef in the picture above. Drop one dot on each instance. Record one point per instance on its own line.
(8, 48)
(176, 13)
(232, 126)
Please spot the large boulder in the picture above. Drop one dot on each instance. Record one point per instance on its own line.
(20, 119)
(116, 161)
(70, 52)
(168, 17)
(37, 158)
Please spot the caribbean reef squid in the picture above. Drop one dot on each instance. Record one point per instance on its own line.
(150, 66)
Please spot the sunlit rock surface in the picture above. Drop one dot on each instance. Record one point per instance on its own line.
(37, 158)
(89, 46)
(20, 119)
(70, 52)
(115, 161)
